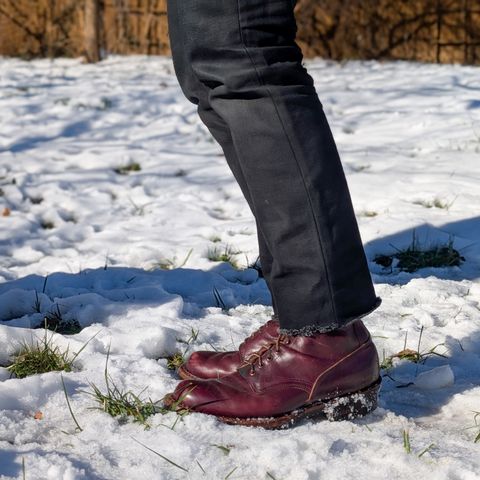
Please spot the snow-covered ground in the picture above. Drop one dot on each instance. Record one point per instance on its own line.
(78, 236)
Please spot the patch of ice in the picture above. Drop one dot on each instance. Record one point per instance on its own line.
(439, 377)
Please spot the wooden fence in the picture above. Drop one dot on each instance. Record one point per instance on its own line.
(424, 30)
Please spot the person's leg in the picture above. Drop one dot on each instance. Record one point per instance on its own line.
(220, 131)
(198, 93)
(244, 53)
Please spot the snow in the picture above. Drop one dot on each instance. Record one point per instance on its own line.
(438, 377)
(82, 238)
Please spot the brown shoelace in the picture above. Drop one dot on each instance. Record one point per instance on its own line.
(256, 358)
(261, 329)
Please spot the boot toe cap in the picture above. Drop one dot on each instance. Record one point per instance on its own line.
(206, 365)
(196, 396)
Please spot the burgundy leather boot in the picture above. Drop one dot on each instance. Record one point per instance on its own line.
(334, 374)
(207, 364)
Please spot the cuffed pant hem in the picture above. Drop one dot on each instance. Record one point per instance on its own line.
(311, 330)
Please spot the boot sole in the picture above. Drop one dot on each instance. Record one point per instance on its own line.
(345, 407)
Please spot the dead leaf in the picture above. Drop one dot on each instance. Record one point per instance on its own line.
(6, 212)
(38, 415)
(408, 354)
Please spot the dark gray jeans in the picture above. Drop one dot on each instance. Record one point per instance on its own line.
(238, 61)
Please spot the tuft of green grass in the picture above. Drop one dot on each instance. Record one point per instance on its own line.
(139, 209)
(7, 181)
(164, 264)
(360, 168)
(387, 362)
(41, 357)
(227, 254)
(368, 213)
(35, 200)
(105, 104)
(180, 173)
(55, 321)
(126, 169)
(120, 403)
(226, 449)
(175, 361)
(62, 101)
(436, 202)
(126, 404)
(215, 239)
(170, 264)
(414, 356)
(414, 257)
(47, 224)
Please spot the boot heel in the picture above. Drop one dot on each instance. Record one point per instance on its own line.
(353, 405)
